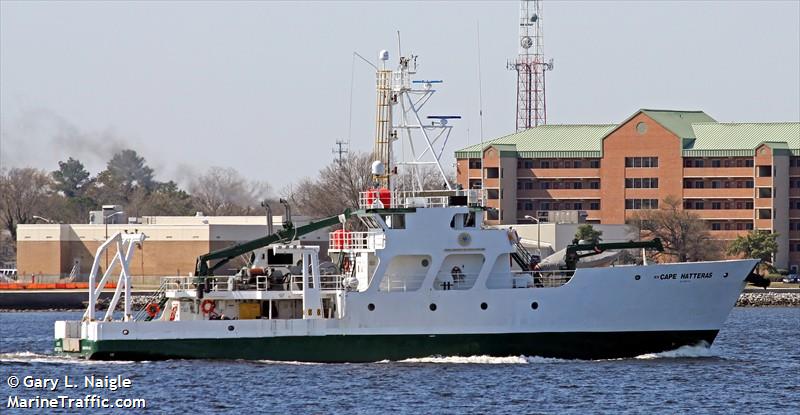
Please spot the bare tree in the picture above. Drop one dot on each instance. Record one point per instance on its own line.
(336, 187)
(223, 191)
(24, 194)
(684, 235)
(427, 175)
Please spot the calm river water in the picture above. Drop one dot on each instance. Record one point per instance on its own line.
(753, 367)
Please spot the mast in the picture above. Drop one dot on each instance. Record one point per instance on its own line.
(400, 100)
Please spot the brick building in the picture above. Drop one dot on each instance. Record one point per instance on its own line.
(735, 176)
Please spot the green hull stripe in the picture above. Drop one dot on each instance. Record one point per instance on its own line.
(371, 348)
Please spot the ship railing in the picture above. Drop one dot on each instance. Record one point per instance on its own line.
(455, 281)
(351, 241)
(217, 283)
(420, 199)
(401, 282)
(541, 278)
(331, 282)
(178, 283)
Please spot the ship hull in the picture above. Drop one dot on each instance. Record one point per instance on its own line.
(371, 348)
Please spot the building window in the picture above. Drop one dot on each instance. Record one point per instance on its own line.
(528, 205)
(716, 205)
(642, 183)
(641, 128)
(594, 206)
(637, 204)
(748, 184)
(545, 185)
(764, 171)
(594, 185)
(577, 206)
(492, 173)
(474, 163)
(545, 206)
(748, 226)
(716, 163)
(577, 185)
(765, 193)
(528, 185)
(595, 164)
(765, 213)
(528, 164)
(715, 226)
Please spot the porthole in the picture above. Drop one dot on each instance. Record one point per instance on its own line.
(484, 306)
(230, 328)
(534, 305)
(725, 275)
(638, 277)
(425, 262)
(371, 307)
(125, 332)
(432, 307)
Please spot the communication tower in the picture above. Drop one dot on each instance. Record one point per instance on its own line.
(530, 66)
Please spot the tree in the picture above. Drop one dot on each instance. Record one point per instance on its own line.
(167, 199)
(336, 187)
(410, 178)
(71, 178)
(23, 195)
(223, 191)
(587, 232)
(756, 244)
(684, 235)
(125, 173)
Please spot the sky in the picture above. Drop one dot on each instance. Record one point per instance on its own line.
(265, 86)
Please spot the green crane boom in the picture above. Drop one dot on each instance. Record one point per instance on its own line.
(577, 251)
(203, 269)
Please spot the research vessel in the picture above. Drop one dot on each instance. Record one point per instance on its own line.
(413, 273)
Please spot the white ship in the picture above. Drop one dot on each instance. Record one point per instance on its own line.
(422, 276)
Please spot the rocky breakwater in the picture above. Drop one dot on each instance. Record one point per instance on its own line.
(769, 298)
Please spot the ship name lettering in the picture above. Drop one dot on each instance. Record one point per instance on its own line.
(696, 275)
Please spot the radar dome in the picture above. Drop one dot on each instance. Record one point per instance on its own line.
(378, 168)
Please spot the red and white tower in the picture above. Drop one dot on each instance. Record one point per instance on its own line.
(530, 66)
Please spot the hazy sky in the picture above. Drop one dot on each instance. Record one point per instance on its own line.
(265, 86)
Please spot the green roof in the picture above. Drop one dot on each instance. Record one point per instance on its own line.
(678, 122)
(741, 139)
(702, 137)
(577, 140)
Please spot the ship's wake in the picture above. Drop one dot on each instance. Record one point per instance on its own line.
(701, 349)
(31, 357)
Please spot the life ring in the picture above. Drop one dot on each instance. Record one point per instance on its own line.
(208, 306)
(152, 309)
